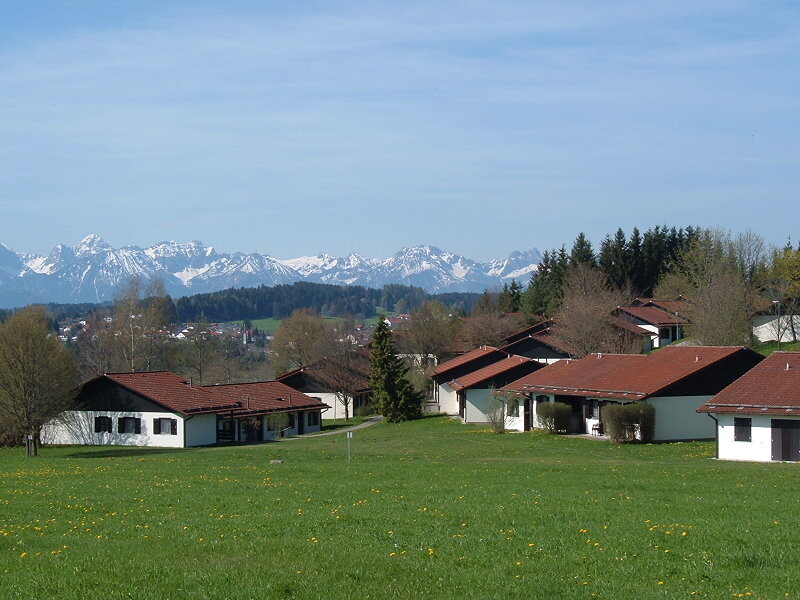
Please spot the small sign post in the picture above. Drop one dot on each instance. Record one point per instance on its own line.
(349, 441)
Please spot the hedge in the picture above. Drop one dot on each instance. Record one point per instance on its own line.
(623, 421)
(553, 416)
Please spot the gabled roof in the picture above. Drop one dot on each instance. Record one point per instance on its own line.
(627, 326)
(652, 315)
(676, 305)
(543, 339)
(624, 376)
(490, 372)
(576, 377)
(178, 395)
(464, 359)
(539, 326)
(266, 396)
(772, 387)
(331, 372)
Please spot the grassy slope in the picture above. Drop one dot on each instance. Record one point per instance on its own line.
(428, 509)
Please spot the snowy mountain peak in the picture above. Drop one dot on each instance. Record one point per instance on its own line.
(93, 271)
(91, 244)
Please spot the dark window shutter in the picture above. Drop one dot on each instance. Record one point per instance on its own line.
(174, 426)
(138, 425)
(156, 426)
(121, 425)
(97, 428)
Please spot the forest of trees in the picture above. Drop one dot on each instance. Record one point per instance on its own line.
(329, 300)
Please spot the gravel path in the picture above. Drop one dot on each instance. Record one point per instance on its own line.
(367, 423)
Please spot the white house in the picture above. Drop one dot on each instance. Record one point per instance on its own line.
(757, 417)
(333, 379)
(163, 409)
(444, 395)
(474, 390)
(676, 380)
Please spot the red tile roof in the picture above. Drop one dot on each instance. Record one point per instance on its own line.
(575, 377)
(175, 393)
(463, 359)
(489, 372)
(772, 387)
(679, 306)
(266, 396)
(623, 376)
(653, 315)
(627, 326)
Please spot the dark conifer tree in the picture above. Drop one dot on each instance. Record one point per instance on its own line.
(582, 251)
(392, 392)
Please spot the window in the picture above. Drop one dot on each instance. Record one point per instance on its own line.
(313, 418)
(742, 429)
(291, 421)
(513, 408)
(102, 424)
(165, 426)
(129, 425)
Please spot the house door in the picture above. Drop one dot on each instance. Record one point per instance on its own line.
(785, 440)
(301, 423)
(462, 406)
(526, 415)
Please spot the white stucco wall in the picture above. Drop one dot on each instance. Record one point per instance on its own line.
(77, 427)
(677, 419)
(336, 410)
(448, 399)
(765, 328)
(476, 404)
(758, 449)
(201, 430)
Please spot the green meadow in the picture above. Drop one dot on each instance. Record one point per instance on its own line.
(426, 509)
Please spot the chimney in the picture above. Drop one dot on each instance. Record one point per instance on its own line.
(697, 358)
(787, 366)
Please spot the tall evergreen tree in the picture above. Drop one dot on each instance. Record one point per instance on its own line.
(582, 251)
(543, 295)
(392, 392)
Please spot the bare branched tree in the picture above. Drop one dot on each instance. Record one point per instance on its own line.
(38, 377)
(582, 320)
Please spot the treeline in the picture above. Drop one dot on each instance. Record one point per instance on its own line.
(634, 264)
(280, 301)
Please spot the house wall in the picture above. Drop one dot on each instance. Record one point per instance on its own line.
(77, 427)
(677, 419)
(758, 449)
(477, 401)
(765, 330)
(336, 410)
(201, 430)
(448, 399)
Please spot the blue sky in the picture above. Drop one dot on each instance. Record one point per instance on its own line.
(482, 127)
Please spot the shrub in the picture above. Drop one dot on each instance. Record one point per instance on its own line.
(496, 413)
(623, 421)
(553, 416)
(644, 415)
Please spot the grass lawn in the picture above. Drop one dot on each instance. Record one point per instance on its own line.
(768, 348)
(431, 509)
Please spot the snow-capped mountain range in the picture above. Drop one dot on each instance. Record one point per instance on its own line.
(93, 271)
